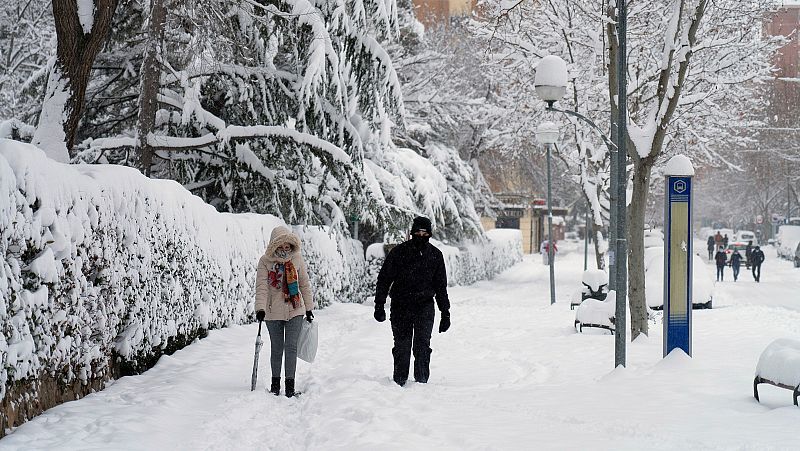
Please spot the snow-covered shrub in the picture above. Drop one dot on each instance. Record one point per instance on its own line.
(103, 270)
(336, 263)
(375, 257)
(470, 263)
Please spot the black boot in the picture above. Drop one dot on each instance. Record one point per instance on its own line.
(289, 387)
(275, 388)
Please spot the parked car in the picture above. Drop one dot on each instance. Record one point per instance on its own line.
(787, 240)
(745, 236)
(702, 282)
(742, 248)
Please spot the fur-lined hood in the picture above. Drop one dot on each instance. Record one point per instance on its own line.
(281, 235)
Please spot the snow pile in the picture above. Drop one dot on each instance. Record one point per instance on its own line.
(702, 282)
(780, 362)
(594, 278)
(100, 261)
(679, 165)
(597, 313)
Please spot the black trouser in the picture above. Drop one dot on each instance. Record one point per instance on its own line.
(710, 254)
(720, 272)
(412, 324)
(757, 271)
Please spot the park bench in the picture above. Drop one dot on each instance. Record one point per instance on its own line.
(779, 365)
(595, 313)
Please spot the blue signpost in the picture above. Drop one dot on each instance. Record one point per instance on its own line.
(678, 255)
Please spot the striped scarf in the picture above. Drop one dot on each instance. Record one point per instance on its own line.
(291, 289)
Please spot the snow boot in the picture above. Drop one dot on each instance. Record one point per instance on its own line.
(275, 387)
(290, 388)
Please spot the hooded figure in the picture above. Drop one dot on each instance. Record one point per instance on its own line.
(736, 261)
(721, 258)
(412, 274)
(283, 296)
(757, 257)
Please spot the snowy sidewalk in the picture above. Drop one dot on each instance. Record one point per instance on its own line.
(510, 374)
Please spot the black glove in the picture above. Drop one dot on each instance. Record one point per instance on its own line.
(260, 315)
(309, 316)
(380, 313)
(444, 323)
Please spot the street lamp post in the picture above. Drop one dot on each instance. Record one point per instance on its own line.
(547, 134)
(550, 84)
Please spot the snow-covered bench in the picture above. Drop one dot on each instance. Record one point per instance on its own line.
(594, 313)
(595, 285)
(779, 365)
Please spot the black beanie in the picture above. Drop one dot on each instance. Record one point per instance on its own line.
(421, 223)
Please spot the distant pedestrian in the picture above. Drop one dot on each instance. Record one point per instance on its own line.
(748, 254)
(544, 249)
(758, 259)
(717, 239)
(283, 296)
(721, 259)
(725, 241)
(710, 246)
(736, 261)
(412, 274)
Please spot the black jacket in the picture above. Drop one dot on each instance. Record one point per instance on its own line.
(413, 275)
(736, 260)
(720, 258)
(757, 257)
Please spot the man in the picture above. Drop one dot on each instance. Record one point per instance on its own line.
(412, 274)
(758, 258)
(718, 239)
(725, 240)
(710, 245)
(721, 259)
(748, 254)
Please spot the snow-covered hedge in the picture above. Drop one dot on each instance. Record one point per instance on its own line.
(465, 264)
(103, 270)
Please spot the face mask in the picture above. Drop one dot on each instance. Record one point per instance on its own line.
(419, 241)
(281, 253)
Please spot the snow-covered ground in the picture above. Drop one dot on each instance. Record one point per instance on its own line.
(511, 373)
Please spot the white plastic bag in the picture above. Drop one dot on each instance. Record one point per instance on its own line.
(307, 342)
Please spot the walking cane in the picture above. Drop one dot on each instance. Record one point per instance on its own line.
(255, 359)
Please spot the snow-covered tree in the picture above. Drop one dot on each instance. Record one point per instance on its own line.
(451, 114)
(81, 29)
(692, 67)
(26, 33)
(692, 64)
(522, 33)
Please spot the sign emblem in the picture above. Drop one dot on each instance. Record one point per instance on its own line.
(679, 186)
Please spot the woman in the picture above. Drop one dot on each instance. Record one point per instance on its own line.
(736, 262)
(283, 294)
(721, 258)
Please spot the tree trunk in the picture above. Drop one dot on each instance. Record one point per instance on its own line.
(66, 87)
(599, 256)
(151, 80)
(636, 279)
